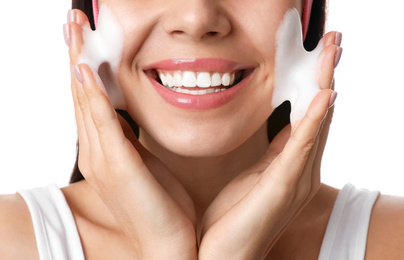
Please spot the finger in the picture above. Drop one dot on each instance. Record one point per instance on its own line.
(278, 144)
(289, 166)
(329, 59)
(72, 40)
(85, 111)
(311, 173)
(81, 130)
(77, 16)
(274, 149)
(323, 137)
(77, 22)
(324, 127)
(73, 36)
(331, 38)
(76, 41)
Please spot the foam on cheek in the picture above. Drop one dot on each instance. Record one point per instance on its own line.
(295, 69)
(102, 51)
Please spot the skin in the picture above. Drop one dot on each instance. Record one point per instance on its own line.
(239, 183)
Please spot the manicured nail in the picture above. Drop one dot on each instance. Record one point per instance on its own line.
(332, 99)
(66, 34)
(338, 38)
(71, 16)
(78, 74)
(337, 56)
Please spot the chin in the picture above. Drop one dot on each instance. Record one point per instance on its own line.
(202, 145)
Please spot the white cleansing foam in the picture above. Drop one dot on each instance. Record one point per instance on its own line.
(102, 51)
(296, 70)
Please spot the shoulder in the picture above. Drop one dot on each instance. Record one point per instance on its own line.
(16, 229)
(386, 229)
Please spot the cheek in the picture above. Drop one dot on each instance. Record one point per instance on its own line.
(259, 22)
(138, 20)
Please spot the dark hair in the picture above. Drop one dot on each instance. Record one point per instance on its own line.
(278, 119)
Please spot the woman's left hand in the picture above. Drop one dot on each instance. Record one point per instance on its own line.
(252, 212)
(149, 204)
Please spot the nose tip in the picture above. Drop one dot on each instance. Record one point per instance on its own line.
(198, 19)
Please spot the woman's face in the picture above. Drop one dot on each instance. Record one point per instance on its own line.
(233, 38)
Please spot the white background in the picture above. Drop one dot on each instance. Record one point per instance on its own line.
(37, 129)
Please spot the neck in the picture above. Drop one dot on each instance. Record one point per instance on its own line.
(205, 177)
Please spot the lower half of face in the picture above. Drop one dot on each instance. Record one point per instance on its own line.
(198, 77)
(179, 125)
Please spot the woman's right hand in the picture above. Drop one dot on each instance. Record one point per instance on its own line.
(146, 199)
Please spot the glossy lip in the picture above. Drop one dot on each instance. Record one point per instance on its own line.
(198, 102)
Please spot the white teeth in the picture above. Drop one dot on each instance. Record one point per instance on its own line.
(177, 79)
(226, 79)
(216, 79)
(170, 80)
(189, 79)
(203, 80)
(163, 79)
(192, 79)
(232, 78)
(196, 91)
(181, 90)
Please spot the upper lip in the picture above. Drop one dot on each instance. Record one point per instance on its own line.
(198, 64)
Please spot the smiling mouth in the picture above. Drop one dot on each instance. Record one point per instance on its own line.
(198, 83)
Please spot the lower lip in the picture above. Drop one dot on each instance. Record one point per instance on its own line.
(199, 102)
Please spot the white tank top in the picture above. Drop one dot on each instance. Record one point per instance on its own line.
(347, 230)
(56, 233)
(58, 239)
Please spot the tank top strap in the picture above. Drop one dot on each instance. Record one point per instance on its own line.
(347, 230)
(55, 229)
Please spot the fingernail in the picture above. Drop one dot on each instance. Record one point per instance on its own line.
(338, 38)
(77, 73)
(332, 99)
(71, 16)
(337, 57)
(66, 34)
